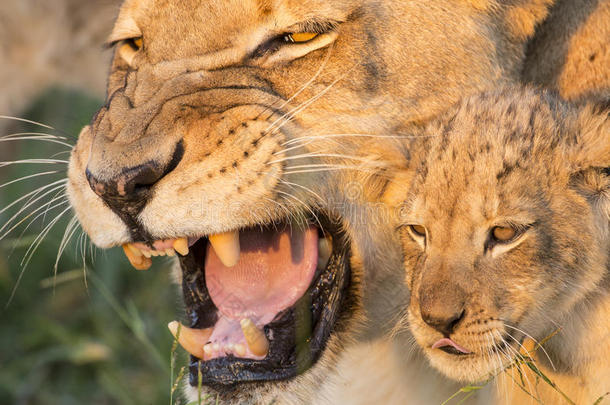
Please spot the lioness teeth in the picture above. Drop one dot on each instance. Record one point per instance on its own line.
(181, 246)
(192, 340)
(136, 257)
(324, 251)
(226, 246)
(240, 350)
(255, 338)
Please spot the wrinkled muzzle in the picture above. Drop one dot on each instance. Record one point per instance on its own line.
(142, 135)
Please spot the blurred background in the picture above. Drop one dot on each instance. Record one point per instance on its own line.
(86, 328)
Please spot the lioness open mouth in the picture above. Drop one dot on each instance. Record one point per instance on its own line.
(261, 302)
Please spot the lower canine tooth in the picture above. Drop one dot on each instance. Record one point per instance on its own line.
(181, 246)
(138, 261)
(226, 246)
(255, 338)
(240, 350)
(137, 252)
(147, 253)
(192, 340)
(207, 349)
(324, 252)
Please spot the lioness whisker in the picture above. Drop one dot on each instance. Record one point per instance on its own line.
(329, 168)
(31, 176)
(71, 228)
(317, 137)
(32, 194)
(6, 117)
(34, 161)
(35, 135)
(34, 138)
(302, 204)
(319, 155)
(48, 207)
(305, 86)
(34, 245)
(31, 250)
(292, 113)
(290, 184)
(29, 215)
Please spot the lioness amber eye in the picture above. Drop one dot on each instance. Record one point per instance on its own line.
(503, 234)
(300, 37)
(418, 230)
(138, 42)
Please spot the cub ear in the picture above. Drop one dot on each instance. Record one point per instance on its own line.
(522, 16)
(592, 146)
(589, 158)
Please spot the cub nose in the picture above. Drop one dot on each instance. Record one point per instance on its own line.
(443, 310)
(129, 191)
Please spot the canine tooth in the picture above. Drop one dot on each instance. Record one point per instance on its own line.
(216, 347)
(240, 350)
(170, 252)
(138, 261)
(255, 338)
(192, 340)
(181, 246)
(137, 252)
(324, 252)
(226, 246)
(207, 349)
(147, 254)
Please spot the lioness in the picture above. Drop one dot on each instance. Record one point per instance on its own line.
(220, 139)
(505, 226)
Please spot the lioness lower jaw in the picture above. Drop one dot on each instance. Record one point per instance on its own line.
(261, 302)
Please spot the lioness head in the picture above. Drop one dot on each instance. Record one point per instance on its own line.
(223, 126)
(504, 226)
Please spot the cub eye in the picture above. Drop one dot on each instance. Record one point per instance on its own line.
(418, 230)
(300, 37)
(503, 234)
(130, 48)
(137, 43)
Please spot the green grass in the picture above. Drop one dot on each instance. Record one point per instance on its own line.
(96, 332)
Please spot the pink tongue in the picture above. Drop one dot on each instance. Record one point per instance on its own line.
(275, 269)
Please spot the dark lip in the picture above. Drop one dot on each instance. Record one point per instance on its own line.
(453, 351)
(298, 335)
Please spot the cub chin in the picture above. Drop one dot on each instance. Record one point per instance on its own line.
(504, 223)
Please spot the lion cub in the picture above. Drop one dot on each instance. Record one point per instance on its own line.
(504, 224)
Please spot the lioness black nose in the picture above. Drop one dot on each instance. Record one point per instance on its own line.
(129, 184)
(129, 191)
(442, 310)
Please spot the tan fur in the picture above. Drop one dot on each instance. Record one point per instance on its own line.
(197, 81)
(571, 50)
(512, 158)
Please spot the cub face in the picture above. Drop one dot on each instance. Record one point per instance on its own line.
(504, 226)
(224, 124)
